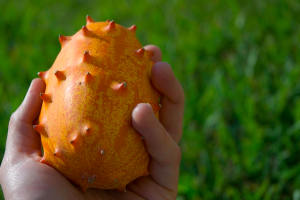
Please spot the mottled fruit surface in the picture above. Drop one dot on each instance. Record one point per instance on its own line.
(100, 75)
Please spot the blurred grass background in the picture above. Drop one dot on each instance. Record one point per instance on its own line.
(238, 62)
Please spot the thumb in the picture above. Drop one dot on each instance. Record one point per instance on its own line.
(31, 105)
(164, 151)
(21, 135)
(158, 141)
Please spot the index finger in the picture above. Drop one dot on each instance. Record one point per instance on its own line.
(157, 52)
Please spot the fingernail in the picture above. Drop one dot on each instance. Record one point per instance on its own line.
(136, 106)
(149, 105)
(140, 104)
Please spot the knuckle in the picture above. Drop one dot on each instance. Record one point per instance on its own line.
(181, 94)
(13, 119)
(177, 154)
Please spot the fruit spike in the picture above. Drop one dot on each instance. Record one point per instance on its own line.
(132, 28)
(43, 160)
(87, 130)
(119, 86)
(75, 140)
(59, 75)
(63, 40)
(140, 52)
(87, 77)
(89, 20)
(155, 107)
(85, 30)
(86, 56)
(57, 153)
(111, 26)
(46, 97)
(40, 128)
(88, 33)
(42, 75)
(124, 85)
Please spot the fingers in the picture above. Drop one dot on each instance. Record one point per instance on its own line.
(172, 101)
(165, 153)
(157, 52)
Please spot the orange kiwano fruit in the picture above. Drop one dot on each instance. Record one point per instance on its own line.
(100, 75)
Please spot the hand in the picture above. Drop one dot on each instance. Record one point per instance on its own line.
(22, 176)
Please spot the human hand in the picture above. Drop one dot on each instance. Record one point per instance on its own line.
(22, 176)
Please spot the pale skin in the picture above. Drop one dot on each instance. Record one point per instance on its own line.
(22, 176)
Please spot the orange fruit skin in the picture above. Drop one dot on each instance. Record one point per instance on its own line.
(100, 75)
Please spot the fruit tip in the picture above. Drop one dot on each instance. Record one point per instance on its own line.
(86, 56)
(89, 20)
(59, 75)
(63, 40)
(45, 98)
(111, 26)
(132, 28)
(140, 52)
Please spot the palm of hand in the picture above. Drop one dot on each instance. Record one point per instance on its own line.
(21, 172)
(43, 179)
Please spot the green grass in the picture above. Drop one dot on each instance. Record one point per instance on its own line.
(238, 62)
